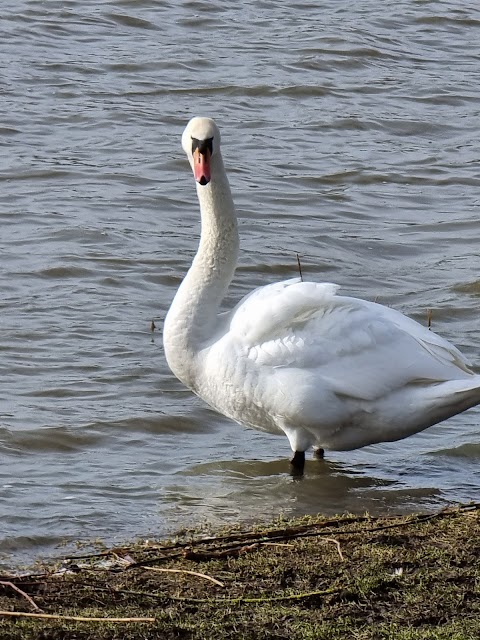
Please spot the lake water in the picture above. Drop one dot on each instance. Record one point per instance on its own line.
(350, 135)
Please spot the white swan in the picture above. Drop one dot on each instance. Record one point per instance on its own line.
(293, 357)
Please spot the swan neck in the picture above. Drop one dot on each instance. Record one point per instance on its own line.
(192, 322)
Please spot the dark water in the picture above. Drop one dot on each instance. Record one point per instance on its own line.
(350, 134)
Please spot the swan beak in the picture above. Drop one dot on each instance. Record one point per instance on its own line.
(201, 165)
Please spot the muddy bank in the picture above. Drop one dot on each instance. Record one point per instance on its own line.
(409, 577)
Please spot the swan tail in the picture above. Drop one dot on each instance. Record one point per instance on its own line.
(441, 401)
(459, 394)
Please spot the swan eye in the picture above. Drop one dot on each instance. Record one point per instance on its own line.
(202, 145)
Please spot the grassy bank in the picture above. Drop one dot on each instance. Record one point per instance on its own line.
(411, 577)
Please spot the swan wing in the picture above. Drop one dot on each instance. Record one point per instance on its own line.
(437, 346)
(271, 310)
(306, 334)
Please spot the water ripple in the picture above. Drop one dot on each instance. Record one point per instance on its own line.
(349, 138)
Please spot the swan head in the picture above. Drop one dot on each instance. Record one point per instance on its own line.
(201, 142)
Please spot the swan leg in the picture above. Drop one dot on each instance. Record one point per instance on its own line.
(319, 453)
(298, 462)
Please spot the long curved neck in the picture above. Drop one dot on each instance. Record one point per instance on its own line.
(192, 319)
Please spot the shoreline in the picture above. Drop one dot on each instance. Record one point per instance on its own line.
(406, 577)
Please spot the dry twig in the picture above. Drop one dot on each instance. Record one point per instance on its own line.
(338, 546)
(22, 593)
(192, 573)
(299, 267)
(260, 600)
(229, 552)
(53, 616)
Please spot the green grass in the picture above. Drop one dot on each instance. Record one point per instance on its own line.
(403, 578)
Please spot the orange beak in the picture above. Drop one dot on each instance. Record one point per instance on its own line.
(201, 166)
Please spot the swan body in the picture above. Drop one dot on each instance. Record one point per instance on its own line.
(294, 357)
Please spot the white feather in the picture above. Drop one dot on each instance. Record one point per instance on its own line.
(296, 358)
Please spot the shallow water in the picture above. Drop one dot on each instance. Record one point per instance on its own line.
(350, 135)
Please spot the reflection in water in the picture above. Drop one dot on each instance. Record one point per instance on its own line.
(253, 490)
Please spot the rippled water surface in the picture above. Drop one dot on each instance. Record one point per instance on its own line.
(350, 134)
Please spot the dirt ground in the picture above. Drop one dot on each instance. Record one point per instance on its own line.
(402, 578)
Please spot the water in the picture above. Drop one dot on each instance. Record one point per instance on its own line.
(350, 134)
